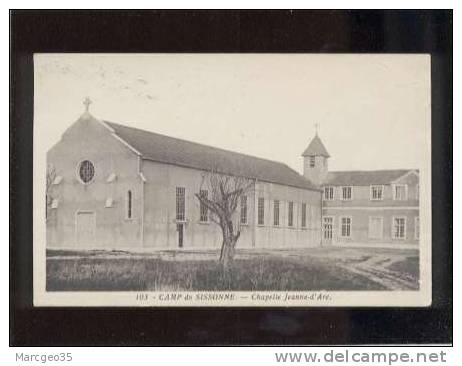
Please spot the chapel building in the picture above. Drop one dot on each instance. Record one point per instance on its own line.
(118, 187)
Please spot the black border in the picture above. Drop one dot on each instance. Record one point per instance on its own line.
(261, 31)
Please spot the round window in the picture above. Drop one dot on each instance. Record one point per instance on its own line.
(86, 171)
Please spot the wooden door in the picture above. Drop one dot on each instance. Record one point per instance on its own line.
(180, 229)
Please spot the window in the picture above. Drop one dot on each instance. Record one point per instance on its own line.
(345, 227)
(376, 193)
(303, 214)
(86, 171)
(290, 215)
(276, 213)
(417, 192)
(346, 193)
(417, 228)
(328, 227)
(399, 228)
(400, 192)
(375, 227)
(243, 210)
(312, 161)
(328, 193)
(261, 211)
(129, 205)
(180, 204)
(204, 214)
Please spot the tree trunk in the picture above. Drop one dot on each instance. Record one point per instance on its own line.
(227, 251)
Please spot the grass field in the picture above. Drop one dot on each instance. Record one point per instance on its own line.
(303, 270)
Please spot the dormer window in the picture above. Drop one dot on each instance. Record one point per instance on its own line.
(312, 161)
(400, 192)
(328, 193)
(347, 193)
(376, 193)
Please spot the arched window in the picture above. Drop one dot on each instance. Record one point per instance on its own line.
(129, 204)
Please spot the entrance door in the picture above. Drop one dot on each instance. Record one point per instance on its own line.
(328, 229)
(180, 228)
(85, 224)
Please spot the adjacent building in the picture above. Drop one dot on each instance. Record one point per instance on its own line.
(373, 207)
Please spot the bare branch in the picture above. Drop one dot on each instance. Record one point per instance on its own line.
(50, 178)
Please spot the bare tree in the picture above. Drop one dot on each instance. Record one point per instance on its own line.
(50, 178)
(224, 193)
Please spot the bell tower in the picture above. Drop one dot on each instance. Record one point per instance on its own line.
(316, 161)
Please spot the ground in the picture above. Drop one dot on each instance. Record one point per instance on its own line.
(314, 269)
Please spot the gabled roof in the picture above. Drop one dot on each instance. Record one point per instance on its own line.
(316, 148)
(365, 178)
(165, 149)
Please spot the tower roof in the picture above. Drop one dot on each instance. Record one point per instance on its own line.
(316, 148)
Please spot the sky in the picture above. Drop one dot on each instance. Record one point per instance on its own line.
(373, 111)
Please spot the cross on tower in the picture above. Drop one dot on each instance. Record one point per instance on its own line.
(316, 127)
(86, 103)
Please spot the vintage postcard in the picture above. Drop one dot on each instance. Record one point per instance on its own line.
(232, 180)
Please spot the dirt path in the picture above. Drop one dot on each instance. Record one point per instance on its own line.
(371, 264)
(375, 270)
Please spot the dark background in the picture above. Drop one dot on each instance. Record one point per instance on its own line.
(259, 31)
